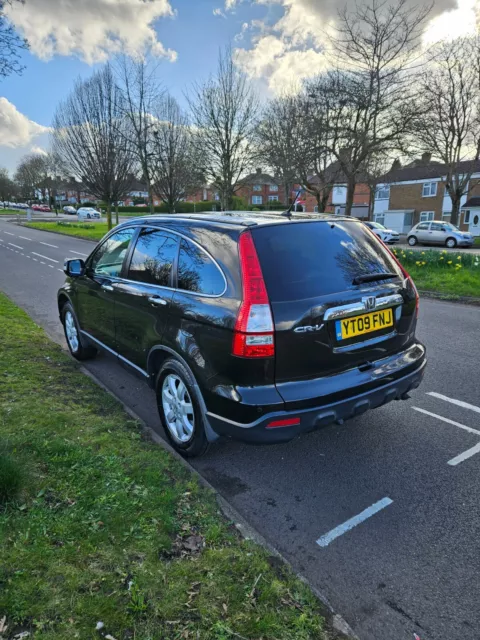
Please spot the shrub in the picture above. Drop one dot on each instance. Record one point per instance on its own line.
(11, 478)
(239, 204)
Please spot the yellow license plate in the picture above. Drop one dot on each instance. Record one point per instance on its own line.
(358, 325)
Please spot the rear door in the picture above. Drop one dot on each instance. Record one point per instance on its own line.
(423, 232)
(437, 233)
(332, 309)
(144, 296)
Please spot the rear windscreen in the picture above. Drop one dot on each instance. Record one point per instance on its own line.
(308, 259)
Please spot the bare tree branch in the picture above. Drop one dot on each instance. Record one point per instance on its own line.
(89, 137)
(224, 112)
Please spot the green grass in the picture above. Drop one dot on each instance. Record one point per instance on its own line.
(112, 528)
(89, 230)
(453, 274)
(477, 242)
(9, 212)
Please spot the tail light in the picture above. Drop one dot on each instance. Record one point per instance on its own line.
(253, 333)
(409, 278)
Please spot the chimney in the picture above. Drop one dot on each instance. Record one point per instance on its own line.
(426, 157)
(259, 171)
(396, 164)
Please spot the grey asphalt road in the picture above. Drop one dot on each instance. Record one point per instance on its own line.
(413, 564)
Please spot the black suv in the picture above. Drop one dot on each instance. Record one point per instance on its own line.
(254, 326)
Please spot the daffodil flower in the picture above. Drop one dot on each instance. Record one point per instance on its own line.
(449, 262)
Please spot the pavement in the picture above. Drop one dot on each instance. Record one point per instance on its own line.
(381, 514)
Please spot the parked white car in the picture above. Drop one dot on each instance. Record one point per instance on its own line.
(387, 235)
(88, 213)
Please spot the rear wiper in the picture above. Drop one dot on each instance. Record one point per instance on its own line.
(371, 277)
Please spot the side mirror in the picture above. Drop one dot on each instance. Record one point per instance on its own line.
(74, 268)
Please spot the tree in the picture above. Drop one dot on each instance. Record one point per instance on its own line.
(371, 98)
(7, 186)
(448, 123)
(224, 112)
(31, 176)
(90, 139)
(142, 96)
(277, 138)
(10, 44)
(175, 165)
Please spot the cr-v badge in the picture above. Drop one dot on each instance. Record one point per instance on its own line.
(308, 329)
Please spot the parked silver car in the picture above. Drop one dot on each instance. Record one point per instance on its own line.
(389, 236)
(436, 232)
(88, 213)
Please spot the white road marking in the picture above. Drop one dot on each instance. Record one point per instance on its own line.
(85, 255)
(465, 455)
(14, 245)
(42, 262)
(9, 234)
(35, 259)
(28, 257)
(45, 257)
(61, 270)
(459, 403)
(24, 238)
(49, 245)
(447, 420)
(326, 539)
(51, 266)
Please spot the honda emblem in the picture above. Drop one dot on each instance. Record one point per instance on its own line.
(369, 303)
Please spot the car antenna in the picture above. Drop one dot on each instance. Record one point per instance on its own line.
(288, 212)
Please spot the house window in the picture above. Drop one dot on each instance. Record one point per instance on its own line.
(383, 193)
(256, 199)
(216, 196)
(466, 217)
(429, 189)
(426, 216)
(274, 187)
(257, 187)
(380, 218)
(315, 209)
(273, 198)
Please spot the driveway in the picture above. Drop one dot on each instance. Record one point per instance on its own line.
(381, 514)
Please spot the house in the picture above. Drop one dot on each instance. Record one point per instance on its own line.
(471, 215)
(416, 193)
(260, 189)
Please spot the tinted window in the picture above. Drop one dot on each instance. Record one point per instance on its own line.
(308, 259)
(153, 258)
(109, 257)
(197, 272)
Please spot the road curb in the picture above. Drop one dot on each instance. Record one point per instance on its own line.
(335, 623)
(445, 297)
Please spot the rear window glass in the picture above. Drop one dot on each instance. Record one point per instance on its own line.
(309, 259)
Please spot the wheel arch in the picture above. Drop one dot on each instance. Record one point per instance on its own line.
(157, 356)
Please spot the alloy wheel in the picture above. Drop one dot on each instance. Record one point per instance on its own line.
(178, 408)
(71, 331)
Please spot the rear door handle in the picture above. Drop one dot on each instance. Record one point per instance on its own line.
(107, 287)
(157, 300)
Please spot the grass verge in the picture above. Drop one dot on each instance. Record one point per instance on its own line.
(88, 230)
(110, 528)
(10, 212)
(450, 273)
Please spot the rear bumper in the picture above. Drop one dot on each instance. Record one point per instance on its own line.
(321, 416)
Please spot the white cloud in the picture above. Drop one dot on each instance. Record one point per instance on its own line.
(93, 30)
(219, 12)
(16, 130)
(295, 46)
(40, 151)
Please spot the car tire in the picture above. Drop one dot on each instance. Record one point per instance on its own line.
(88, 216)
(450, 243)
(180, 411)
(77, 348)
(412, 241)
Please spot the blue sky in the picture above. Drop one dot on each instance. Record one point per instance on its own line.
(277, 43)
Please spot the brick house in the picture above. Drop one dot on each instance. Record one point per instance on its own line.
(416, 193)
(260, 189)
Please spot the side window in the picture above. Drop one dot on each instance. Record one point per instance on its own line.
(437, 227)
(197, 272)
(109, 257)
(423, 226)
(153, 258)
